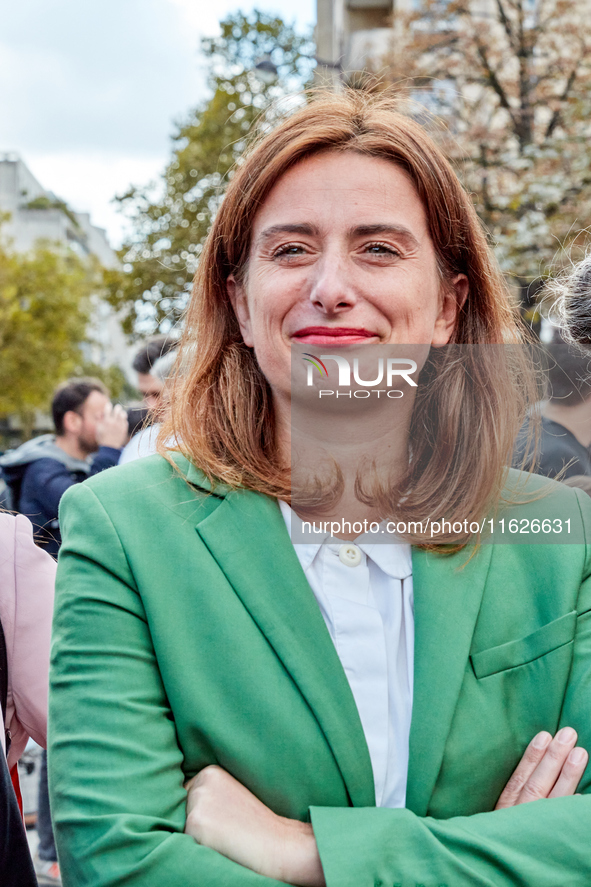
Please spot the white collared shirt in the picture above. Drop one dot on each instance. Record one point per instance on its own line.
(366, 599)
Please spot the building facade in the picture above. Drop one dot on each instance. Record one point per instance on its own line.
(34, 214)
(348, 32)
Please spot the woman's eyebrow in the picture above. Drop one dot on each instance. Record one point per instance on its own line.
(397, 230)
(274, 230)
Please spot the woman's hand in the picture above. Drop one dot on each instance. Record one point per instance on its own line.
(224, 815)
(550, 768)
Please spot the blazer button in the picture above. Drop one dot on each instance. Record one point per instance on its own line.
(350, 555)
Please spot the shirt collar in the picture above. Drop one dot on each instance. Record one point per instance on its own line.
(306, 551)
(393, 557)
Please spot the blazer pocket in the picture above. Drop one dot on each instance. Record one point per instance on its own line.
(544, 640)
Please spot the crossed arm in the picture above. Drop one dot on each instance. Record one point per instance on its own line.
(224, 815)
(116, 772)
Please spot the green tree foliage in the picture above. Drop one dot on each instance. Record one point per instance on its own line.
(512, 81)
(44, 313)
(170, 221)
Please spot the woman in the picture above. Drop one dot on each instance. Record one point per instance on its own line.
(26, 604)
(191, 638)
(27, 577)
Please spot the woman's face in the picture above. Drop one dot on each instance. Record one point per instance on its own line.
(341, 255)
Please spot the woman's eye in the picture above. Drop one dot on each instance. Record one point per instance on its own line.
(381, 249)
(289, 249)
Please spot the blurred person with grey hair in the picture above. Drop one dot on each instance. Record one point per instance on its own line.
(572, 292)
(563, 446)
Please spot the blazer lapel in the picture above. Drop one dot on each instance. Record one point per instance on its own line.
(247, 537)
(447, 598)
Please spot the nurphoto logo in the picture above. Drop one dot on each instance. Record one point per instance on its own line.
(386, 373)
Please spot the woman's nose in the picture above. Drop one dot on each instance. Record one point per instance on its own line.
(332, 291)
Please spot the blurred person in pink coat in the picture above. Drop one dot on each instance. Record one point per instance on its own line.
(27, 575)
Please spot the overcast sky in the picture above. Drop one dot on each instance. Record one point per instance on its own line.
(89, 91)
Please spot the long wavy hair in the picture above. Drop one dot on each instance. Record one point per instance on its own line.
(464, 421)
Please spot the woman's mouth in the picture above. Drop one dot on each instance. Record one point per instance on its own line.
(335, 335)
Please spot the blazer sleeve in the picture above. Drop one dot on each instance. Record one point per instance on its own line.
(27, 607)
(115, 767)
(541, 844)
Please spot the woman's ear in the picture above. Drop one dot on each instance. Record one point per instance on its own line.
(237, 295)
(453, 296)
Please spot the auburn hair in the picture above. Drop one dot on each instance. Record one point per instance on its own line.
(464, 422)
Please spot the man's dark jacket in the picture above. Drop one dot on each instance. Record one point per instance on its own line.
(557, 449)
(44, 474)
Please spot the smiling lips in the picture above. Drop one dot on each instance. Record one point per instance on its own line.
(340, 335)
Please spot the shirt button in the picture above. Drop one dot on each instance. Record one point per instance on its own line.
(350, 555)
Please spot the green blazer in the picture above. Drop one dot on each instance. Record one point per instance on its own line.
(186, 634)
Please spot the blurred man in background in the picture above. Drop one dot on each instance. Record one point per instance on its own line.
(150, 385)
(40, 471)
(153, 363)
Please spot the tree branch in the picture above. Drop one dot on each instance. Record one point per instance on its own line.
(557, 115)
(491, 76)
(505, 21)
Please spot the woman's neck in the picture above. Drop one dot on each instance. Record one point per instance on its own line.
(340, 450)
